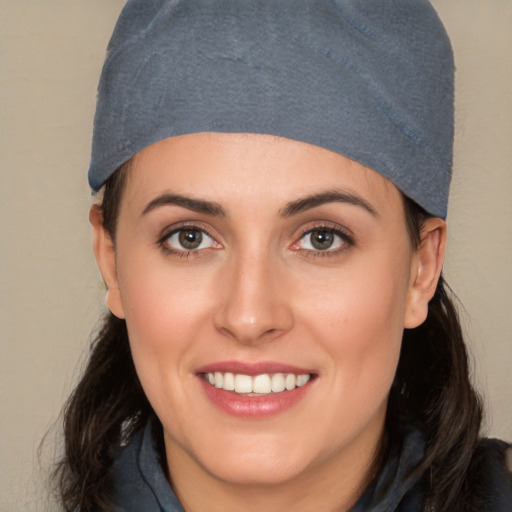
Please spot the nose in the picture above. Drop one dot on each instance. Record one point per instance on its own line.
(254, 306)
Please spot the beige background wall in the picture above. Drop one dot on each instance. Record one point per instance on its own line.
(51, 52)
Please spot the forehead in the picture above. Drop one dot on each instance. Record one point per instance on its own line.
(236, 168)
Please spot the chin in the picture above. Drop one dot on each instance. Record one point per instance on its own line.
(250, 459)
(256, 472)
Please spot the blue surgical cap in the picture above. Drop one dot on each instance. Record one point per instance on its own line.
(369, 79)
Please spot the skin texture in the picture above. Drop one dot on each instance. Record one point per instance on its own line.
(255, 291)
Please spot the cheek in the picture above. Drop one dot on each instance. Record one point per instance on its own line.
(368, 343)
(358, 318)
(152, 306)
(361, 307)
(165, 314)
(163, 304)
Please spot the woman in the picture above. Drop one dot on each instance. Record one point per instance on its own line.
(271, 235)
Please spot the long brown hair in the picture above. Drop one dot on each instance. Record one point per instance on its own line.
(432, 388)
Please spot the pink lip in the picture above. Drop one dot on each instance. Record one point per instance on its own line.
(254, 407)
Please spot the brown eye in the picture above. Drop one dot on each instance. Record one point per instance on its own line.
(321, 239)
(324, 240)
(190, 239)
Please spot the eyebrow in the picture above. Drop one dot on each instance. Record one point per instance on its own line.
(196, 205)
(292, 208)
(329, 196)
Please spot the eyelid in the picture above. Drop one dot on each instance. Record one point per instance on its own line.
(169, 231)
(323, 224)
(344, 233)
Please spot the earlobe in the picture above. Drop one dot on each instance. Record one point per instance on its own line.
(425, 271)
(104, 252)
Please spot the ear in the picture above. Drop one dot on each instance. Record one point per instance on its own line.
(426, 268)
(104, 252)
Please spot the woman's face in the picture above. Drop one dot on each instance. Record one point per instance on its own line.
(244, 255)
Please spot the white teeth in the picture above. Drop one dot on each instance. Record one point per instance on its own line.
(229, 382)
(218, 379)
(301, 380)
(289, 382)
(260, 384)
(243, 383)
(278, 384)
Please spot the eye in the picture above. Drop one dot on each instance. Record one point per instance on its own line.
(323, 239)
(189, 238)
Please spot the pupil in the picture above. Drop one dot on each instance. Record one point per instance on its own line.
(190, 239)
(322, 239)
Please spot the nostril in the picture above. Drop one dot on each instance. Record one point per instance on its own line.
(249, 332)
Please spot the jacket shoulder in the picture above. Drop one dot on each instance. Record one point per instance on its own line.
(489, 477)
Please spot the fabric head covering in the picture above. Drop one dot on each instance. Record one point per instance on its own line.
(370, 79)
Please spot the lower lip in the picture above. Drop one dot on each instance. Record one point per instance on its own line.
(245, 406)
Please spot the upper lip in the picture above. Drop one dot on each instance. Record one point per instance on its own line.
(257, 368)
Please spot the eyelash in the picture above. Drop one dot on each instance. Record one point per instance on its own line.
(184, 253)
(346, 241)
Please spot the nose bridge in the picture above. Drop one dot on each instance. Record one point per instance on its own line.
(253, 309)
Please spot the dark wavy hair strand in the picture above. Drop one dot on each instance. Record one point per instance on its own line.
(107, 406)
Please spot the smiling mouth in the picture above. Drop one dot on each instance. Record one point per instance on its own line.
(257, 385)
